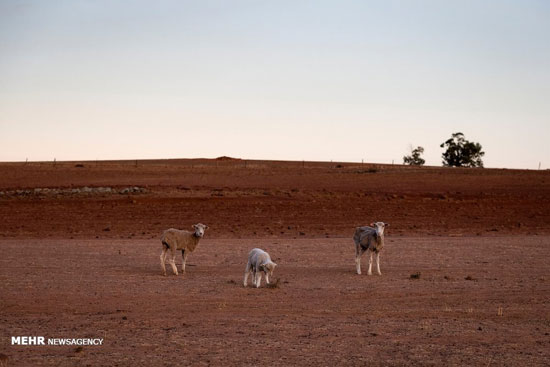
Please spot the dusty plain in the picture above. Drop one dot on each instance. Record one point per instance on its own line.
(465, 280)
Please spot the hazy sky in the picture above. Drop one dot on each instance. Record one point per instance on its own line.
(314, 80)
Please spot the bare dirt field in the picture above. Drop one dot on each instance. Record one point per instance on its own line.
(79, 258)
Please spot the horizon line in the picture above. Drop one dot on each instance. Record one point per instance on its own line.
(229, 158)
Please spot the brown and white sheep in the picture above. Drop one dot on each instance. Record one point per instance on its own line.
(369, 239)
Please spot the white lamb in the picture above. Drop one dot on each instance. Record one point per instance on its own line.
(176, 239)
(258, 261)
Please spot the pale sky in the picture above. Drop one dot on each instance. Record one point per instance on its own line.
(259, 79)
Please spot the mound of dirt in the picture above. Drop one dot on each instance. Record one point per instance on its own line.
(226, 158)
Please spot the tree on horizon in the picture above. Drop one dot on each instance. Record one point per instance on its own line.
(461, 152)
(414, 159)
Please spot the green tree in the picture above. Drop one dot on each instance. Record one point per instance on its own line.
(414, 159)
(460, 152)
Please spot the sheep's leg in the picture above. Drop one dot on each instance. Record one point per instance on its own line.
(247, 271)
(267, 278)
(163, 260)
(258, 279)
(173, 261)
(359, 251)
(184, 259)
(378, 263)
(370, 263)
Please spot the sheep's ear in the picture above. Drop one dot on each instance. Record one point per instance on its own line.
(274, 265)
(205, 226)
(194, 226)
(372, 224)
(386, 224)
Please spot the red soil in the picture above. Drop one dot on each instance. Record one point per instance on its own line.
(271, 199)
(86, 264)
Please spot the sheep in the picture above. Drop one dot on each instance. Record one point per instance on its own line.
(258, 261)
(176, 239)
(369, 239)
